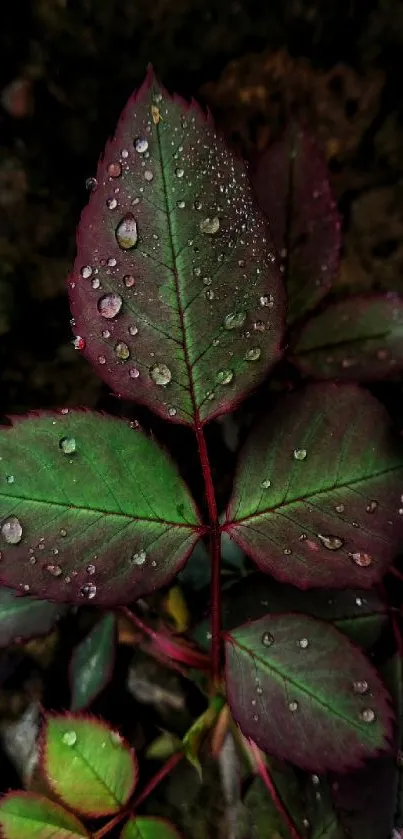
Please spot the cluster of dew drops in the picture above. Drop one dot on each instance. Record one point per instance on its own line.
(127, 236)
(359, 687)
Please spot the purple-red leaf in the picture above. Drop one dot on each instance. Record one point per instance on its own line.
(292, 187)
(360, 339)
(304, 693)
(317, 497)
(175, 292)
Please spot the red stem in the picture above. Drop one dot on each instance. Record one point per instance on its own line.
(215, 552)
(167, 645)
(264, 773)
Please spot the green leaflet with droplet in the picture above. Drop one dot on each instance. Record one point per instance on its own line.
(87, 764)
(27, 816)
(92, 662)
(23, 617)
(304, 693)
(359, 339)
(176, 294)
(96, 511)
(317, 497)
(147, 827)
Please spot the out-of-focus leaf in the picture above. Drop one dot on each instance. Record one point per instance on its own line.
(92, 662)
(27, 816)
(176, 294)
(263, 818)
(175, 607)
(357, 339)
(149, 827)
(317, 497)
(304, 693)
(196, 573)
(23, 617)
(87, 764)
(292, 186)
(96, 511)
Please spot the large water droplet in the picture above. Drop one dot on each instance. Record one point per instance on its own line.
(160, 374)
(79, 343)
(267, 639)
(234, 320)
(303, 643)
(267, 300)
(372, 506)
(141, 145)
(126, 232)
(67, 445)
(360, 686)
(69, 738)
(86, 272)
(224, 377)
(210, 225)
(109, 305)
(332, 543)
(253, 354)
(11, 530)
(300, 454)
(361, 559)
(139, 558)
(293, 706)
(114, 170)
(88, 591)
(122, 351)
(367, 714)
(266, 483)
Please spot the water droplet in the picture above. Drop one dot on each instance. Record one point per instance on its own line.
(253, 354)
(139, 558)
(266, 483)
(160, 374)
(315, 780)
(114, 170)
(11, 530)
(124, 153)
(300, 454)
(90, 569)
(209, 294)
(172, 412)
(122, 351)
(332, 543)
(287, 551)
(109, 305)
(267, 300)
(134, 373)
(293, 706)
(126, 232)
(267, 639)
(101, 359)
(361, 559)
(63, 532)
(95, 283)
(197, 205)
(115, 738)
(133, 330)
(112, 262)
(259, 690)
(181, 204)
(234, 320)
(224, 377)
(306, 823)
(69, 738)
(259, 326)
(360, 686)
(303, 643)
(91, 184)
(210, 225)
(67, 445)
(359, 601)
(79, 343)
(10, 479)
(372, 506)
(148, 175)
(367, 714)
(54, 570)
(111, 203)
(86, 272)
(179, 173)
(339, 508)
(141, 145)
(88, 591)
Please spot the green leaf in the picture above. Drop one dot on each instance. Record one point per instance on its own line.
(176, 294)
(27, 816)
(148, 827)
(359, 339)
(92, 662)
(87, 764)
(317, 496)
(323, 820)
(23, 617)
(96, 511)
(304, 693)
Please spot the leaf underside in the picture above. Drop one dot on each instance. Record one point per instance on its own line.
(92, 662)
(107, 522)
(197, 295)
(298, 701)
(317, 497)
(23, 617)
(292, 187)
(87, 764)
(27, 816)
(357, 339)
(147, 827)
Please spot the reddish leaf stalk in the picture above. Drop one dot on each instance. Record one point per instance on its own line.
(215, 552)
(167, 646)
(264, 773)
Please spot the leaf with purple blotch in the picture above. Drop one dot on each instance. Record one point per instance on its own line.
(97, 511)
(175, 293)
(91, 664)
(317, 497)
(23, 617)
(149, 827)
(304, 693)
(359, 339)
(292, 186)
(27, 816)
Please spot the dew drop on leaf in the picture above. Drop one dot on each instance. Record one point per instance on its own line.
(224, 377)
(362, 559)
(126, 232)
(360, 686)
(54, 570)
(179, 173)
(267, 300)
(90, 569)
(141, 145)
(267, 639)
(172, 412)
(372, 506)
(134, 373)
(139, 558)
(122, 351)
(114, 170)
(148, 175)
(209, 294)
(91, 184)
(339, 508)
(129, 280)
(266, 483)
(367, 714)
(79, 343)
(210, 225)
(253, 354)
(69, 738)
(11, 530)
(303, 643)
(234, 320)
(88, 591)
(259, 326)
(332, 543)
(67, 445)
(293, 706)
(160, 374)
(10, 479)
(111, 203)
(300, 454)
(86, 272)
(102, 359)
(115, 738)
